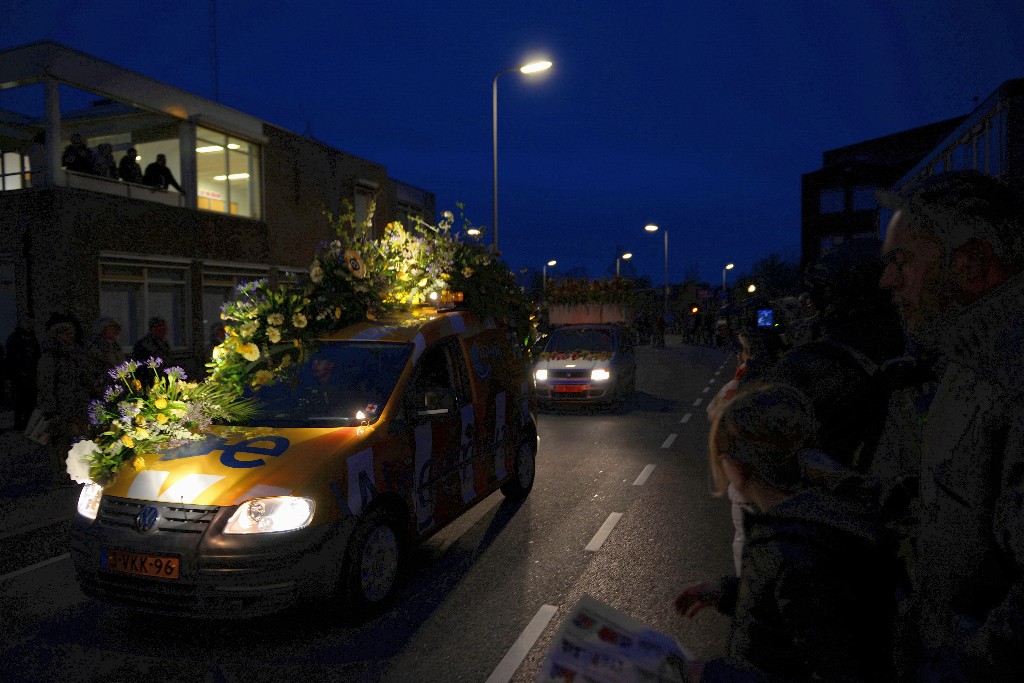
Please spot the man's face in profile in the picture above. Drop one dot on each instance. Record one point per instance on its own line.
(922, 286)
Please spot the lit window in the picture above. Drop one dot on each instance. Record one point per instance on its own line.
(227, 174)
(132, 293)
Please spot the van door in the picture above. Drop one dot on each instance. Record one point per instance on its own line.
(437, 403)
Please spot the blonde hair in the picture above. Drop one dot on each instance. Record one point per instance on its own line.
(763, 427)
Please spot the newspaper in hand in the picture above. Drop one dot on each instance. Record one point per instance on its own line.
(599, 644)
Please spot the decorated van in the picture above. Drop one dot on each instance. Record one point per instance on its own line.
(386, 432)
(341, 422)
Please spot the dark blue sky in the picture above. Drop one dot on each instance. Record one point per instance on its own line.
(692, 115)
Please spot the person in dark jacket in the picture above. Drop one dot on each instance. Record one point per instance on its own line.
(813, 600)
(76, 156)
(159, 177)
(23, 352)
(129, 168)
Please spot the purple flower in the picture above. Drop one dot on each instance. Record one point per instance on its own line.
(176, 372)
(154, 362)
(95, 412)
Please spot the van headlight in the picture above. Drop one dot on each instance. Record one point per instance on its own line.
(541, 375)
(268, 515)
(89, 500)
(599, 374)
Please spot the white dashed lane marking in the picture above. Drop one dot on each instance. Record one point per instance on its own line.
(642, 479)
(686, 418)
(668, 441)
(514, 657)
(604, 532)
(697, 402)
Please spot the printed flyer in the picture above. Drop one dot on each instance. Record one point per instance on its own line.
(599, 644)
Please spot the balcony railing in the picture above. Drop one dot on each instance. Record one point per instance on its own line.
(120, 188)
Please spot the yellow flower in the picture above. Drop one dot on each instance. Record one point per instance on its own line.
(446, 277)
(139, 464)
(273, 334)
(250, 352)
(127, 441)
(298, 321)
(275, 319)
(422, 283)
(249, 329)
(355, 263)
(467, 271)
(136, 385)
(160, 403)
(161, 418)
(337, 312)
(403, 276)
(262, 377)
(141, 433)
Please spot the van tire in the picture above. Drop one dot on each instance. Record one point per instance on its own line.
(372, 566)
(521, 483)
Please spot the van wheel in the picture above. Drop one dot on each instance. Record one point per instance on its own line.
(372, 566)
(521, 483)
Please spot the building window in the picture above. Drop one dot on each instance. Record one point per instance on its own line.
(832, 200)
(227, 174)
(12, 171)
(132, 293)
(863, 198)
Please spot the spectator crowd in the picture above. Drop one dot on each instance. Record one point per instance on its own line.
(875, 460)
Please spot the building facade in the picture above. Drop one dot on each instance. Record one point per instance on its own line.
(839, 200)
(254, 199)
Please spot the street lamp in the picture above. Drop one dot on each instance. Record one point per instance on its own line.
(728, 266)
(618, 259)
(654, 228)
(532, 67)
(544, 282)
(751, 289)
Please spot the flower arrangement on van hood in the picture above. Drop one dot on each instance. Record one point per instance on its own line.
(269, 329)
(616, 290)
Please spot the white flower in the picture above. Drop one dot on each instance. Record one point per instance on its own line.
(78, 462)
(273, 334)
(316, 273)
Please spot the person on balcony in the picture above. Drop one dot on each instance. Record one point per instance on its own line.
(129, 168)
(103, 163)
(159, 177)
(76, 156)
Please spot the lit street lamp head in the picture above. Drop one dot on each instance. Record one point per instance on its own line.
(534, 67)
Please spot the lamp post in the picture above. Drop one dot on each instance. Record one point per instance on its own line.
(544, 281)
(618, 259)
(728, 266)
(532, 67)
(650, 227)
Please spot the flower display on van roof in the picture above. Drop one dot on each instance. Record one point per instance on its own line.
(269, 328)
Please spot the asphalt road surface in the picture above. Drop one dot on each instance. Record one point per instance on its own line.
(621, 510)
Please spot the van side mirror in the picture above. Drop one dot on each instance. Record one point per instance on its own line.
(436, 401)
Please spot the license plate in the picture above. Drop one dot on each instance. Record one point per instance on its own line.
(157, 566)
(570, 388)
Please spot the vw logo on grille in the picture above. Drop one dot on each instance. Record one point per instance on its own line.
(146, 519)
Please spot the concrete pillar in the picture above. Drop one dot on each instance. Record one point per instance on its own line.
(53, 169)
(187, 153)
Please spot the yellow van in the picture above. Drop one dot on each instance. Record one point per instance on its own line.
(386, 433)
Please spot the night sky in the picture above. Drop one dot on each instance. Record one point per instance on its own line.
(697, 116)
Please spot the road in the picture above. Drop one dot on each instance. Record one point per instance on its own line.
(621, 510)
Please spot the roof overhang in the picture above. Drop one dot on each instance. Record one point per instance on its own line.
(39, 62)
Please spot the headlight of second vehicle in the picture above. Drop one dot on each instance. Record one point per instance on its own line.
(541, 374)
(89, 500)
(600, 374)
(268, 515)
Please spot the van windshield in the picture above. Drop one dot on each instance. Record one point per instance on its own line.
(342, 384)
(567, 341)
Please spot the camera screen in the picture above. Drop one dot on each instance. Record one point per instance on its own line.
(765, 317)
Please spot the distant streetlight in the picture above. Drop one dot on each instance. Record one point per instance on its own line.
(532, 67)
(751, 289)
(728, 266)
(650, 227)
(544, 282)
(618, 259)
